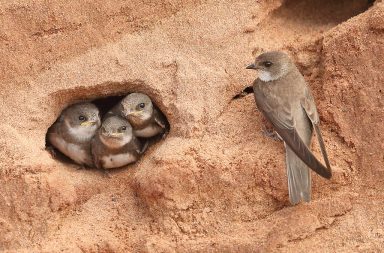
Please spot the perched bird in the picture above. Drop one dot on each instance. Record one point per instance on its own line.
(283, 96)
(145, 119)
(72, 132)
(114, 144)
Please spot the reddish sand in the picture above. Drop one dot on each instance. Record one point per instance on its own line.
(216, 183)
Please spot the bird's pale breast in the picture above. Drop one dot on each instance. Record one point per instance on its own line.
(117, 160)
(149, 131)
(74, 151)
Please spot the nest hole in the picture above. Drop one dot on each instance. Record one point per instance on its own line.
(104, 104)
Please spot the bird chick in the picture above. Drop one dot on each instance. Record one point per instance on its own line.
(72, 132)
(139, 110)
(115, 145)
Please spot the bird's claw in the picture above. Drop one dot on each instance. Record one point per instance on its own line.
(271, 134)
(107, 174)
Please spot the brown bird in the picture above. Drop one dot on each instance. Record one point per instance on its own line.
(283, 96)
(73, 131)
(115, 145)
(139, 110)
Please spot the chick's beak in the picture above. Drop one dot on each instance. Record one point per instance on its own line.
(134, 112)
(251, 66)
(88, 123)
(116, 134)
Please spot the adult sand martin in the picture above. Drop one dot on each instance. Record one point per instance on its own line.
(283, 96)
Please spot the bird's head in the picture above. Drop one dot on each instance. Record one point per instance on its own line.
(271, 65)
(115, 132)
(137, 107)
(82, 115)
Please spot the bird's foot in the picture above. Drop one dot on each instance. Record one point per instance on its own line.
(272, 134)
(165, 134)
(52, 151)
(107, 174)
(82, 167)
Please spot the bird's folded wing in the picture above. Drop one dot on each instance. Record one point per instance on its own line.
(283, 122)
(308, 103)
(159, 118)
(95, 146)
(137, 145)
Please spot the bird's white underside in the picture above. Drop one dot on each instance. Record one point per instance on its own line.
(82, 133)
(73, 151)
(117, 160)
(149, 131)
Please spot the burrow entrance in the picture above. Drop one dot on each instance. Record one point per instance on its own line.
(105, 105)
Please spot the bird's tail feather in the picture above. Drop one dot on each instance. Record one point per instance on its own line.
(322, 146)
(299, 178)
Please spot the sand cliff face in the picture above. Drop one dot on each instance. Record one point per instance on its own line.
(215, 184)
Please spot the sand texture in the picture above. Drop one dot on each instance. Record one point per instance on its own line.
(216, 183)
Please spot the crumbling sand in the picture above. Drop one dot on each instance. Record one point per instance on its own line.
(215, 184)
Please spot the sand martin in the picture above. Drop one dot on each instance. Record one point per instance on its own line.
(144, 117)
(283, 96)
(72, 132)
(115, 145)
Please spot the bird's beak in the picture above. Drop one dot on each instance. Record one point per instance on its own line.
(116, 135)
(134, 113)
(251, 66)
(88, 123)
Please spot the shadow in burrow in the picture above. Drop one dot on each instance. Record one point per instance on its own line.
(321, 12)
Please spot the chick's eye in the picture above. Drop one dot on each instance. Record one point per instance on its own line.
(267, 64)
(141, 105)
(123, 128)
(81, 118)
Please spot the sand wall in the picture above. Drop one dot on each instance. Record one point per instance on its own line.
(216, 183)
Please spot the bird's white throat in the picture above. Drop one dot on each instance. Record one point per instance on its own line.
(266, 76)
(115, 142)
(83, 133)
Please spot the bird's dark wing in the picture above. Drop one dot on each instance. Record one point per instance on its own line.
(159, 118)
(280, 117)
(308, 103)
(136, 145)
(144, 146)
(95, 151)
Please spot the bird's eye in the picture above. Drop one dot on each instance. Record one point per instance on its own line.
(82, 118)
(267, 64)
(122, 129)
(141, 105)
